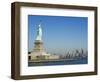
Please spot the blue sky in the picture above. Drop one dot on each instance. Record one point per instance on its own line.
(60, 34)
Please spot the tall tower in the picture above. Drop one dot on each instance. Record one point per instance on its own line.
(38, 44)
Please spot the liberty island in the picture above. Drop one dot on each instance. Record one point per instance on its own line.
(39, 57)
(39, 53)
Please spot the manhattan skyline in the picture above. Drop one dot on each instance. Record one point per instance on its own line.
(60, 33)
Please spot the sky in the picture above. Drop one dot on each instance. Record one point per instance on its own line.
(60, 34)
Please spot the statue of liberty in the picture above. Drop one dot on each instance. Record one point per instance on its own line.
(39, 33)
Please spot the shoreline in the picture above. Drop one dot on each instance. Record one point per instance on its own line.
(39, 61)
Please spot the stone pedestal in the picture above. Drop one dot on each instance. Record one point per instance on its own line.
(38, 46)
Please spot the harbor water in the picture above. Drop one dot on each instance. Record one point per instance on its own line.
(61, 62)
